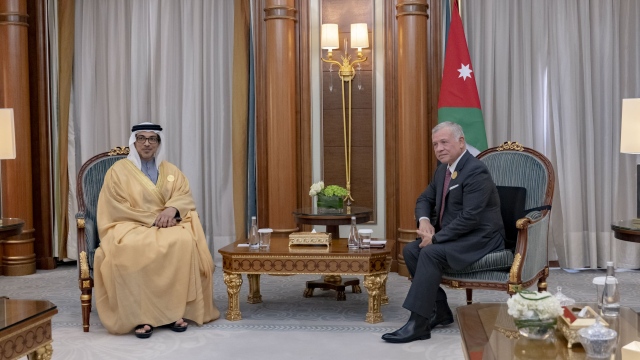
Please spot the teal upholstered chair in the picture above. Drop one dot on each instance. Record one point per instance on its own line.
(89, 183)
(525, 181)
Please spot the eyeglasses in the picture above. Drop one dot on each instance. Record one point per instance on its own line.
(140, 139)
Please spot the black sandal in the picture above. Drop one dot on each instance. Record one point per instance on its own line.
(145, 335)
(177, 328)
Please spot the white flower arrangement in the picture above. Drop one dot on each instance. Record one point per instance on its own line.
(316, 188)
(534, 305)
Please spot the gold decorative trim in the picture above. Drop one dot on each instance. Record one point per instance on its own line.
(309, 238)
(80, 223)
(510, 334)
(119, 150)
(86, 284)
(84, 265)
(455, 283)
(514, 288)
(510, 145)
(513, 273)
(523, 223)
(45, 322)
(233, 282)
(374, 284)
(85, 297)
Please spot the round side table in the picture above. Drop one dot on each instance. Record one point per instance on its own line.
(626, 230)
(332, 220)
(8, 227)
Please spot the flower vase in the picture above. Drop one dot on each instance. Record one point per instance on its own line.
(538, 329)
(329, 203)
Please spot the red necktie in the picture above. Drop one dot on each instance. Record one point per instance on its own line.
(447, 178)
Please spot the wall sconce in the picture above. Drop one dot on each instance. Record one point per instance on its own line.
(629, 135)
(7, 142)
(330, 41)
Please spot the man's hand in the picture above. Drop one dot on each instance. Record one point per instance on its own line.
(426, 227)
(426, 238)
(425, 231)
(167, 218)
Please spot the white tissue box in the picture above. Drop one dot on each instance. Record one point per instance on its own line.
(631, 351)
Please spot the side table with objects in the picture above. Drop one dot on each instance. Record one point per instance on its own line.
(332, 220)
(488, 332)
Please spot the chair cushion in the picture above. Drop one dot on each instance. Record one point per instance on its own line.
(500, 260)
(512, 205)
(499, 277)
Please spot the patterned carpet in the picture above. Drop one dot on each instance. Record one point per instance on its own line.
(284, 326)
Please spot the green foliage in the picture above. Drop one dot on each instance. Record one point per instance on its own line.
(334, 190)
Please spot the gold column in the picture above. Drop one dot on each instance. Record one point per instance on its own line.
(19, 256)
(278, 186)
(413, 129)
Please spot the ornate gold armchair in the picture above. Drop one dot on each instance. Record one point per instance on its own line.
(89, 182)
(525, 181)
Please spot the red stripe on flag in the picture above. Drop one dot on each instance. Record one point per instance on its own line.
(458, 87)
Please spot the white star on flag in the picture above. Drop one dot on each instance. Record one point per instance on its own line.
(465, 72)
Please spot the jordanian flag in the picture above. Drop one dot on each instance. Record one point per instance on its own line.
(459, 101)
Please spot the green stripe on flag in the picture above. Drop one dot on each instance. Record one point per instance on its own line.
(471, 121)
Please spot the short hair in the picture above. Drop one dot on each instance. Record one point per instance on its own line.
(455, 128)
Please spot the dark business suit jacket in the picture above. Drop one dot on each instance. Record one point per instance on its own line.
(471, 223)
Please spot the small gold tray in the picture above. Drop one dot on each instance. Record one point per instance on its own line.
(570, 329)
(309, 238)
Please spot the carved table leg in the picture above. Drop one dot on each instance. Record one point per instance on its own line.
(384, 299)
(373, 284)
(42, 353)
(233, 282)
(254, 289)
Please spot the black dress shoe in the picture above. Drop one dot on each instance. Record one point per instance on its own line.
(417, 328)
(442, 315)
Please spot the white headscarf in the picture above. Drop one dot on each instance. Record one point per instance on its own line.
(133, 152)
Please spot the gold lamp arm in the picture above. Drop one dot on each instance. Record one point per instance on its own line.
(331, 61)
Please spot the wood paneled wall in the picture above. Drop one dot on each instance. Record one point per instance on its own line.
(413, 71)
(363, 144)
(282, 112)
(19, 254)
(26, 181)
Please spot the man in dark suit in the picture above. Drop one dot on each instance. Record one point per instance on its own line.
(459, 222)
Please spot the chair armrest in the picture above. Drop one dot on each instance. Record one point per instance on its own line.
(531, 249)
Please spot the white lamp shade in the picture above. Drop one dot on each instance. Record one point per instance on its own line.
(630, 127)
(7, 135)
(330, 38)
(359, 36)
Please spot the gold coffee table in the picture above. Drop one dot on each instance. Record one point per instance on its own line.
(280, 259)
(25, 328)
(489, 333)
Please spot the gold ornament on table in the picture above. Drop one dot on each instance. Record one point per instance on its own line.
(310, 238)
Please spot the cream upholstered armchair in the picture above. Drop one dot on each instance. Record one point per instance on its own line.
(89, 183)
(525, 181)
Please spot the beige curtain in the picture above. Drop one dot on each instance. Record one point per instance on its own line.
(169, 62)
(552, 76)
